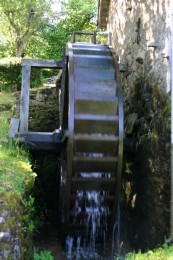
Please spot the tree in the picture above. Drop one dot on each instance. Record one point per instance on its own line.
(23, 19)
(30, 26)
(75, 16)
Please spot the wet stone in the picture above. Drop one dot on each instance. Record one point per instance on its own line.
(1, 203)
(4, 236)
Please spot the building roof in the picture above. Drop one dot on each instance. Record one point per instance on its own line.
(103, 8)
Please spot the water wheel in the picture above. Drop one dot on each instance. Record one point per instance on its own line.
(92, 122)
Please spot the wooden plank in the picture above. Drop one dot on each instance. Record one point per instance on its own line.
(85, 51)
(42, 63)
(93, 74)
(96, 144)
(107, 199)
(96, 124)
(89, 46)
(97, 89)
(24, 99)
(93, 184)
(97, 117)
(103, 107)
(95, 164)
(14, 127)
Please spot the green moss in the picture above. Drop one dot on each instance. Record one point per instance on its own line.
(146, 175)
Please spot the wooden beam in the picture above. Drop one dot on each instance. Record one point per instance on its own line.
(25, 89)
(93, 34)
(43, 140)
(14, 127)
(24, 99)
(42, 63)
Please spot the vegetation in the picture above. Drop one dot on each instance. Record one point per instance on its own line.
(43, 255)
(10, 73)
(75, 16)
(17, 180)
(30, 28)
(146, 190)
(36, 31)
(23, 19)
(161, 253)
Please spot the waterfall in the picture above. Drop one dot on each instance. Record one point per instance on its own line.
(92, 213)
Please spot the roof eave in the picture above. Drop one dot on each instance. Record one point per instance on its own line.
(103, 9)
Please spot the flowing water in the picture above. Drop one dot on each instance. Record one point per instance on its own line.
(92, 212)
(93, 245)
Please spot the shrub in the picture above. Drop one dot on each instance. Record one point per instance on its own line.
(162, 253)
(10, 73)
(36, 77)
(43, 255)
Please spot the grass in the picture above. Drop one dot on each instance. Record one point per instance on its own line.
(6, 97)
(15, 169)
(16, 183)
(164, 252)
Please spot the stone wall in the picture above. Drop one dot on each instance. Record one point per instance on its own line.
(141, 38)
(43, 109)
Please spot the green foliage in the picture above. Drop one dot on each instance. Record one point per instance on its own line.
(10, 73)
(43, 255)
(16, 184)
(75, 16)
(47, 73)
(102, 37)
(20, 20)
(6, 49)
(36, 78)
(35, 30)
(162, 253)
(15, 168)
(30, 220)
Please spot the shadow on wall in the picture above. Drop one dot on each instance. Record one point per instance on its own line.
(146, 180)
(146, 175)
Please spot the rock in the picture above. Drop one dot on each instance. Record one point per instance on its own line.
(1, 203)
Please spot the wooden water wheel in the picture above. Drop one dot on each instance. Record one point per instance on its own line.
(92, 122)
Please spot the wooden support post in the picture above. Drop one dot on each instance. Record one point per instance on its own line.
(24, 99)
(25, 89)
(109, 38)
(93, 36)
